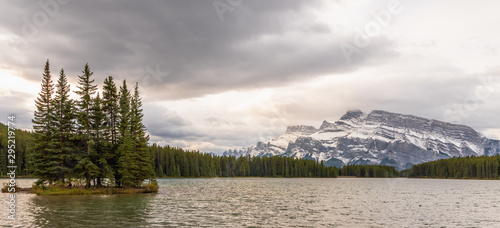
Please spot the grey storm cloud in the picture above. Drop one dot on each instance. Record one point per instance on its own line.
(14, 105)
(185, 42)
(168, 124)
(213, 84)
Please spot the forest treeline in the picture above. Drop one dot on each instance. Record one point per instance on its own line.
(480, 167)
(22, 142)
(175, 162)
(368, 171)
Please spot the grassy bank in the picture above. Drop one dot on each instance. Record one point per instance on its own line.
(64, 190)
(89, 191)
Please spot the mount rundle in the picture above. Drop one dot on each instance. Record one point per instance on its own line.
(379, 137)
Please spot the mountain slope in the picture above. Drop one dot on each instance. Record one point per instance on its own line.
(379, 137)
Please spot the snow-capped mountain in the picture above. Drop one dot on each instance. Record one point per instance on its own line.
(379, 137)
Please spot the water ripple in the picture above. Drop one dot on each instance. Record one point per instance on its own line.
(275, 202)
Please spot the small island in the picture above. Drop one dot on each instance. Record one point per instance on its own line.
(96, 144)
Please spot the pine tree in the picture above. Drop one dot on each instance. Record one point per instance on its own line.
(124, 130)
(124, 109)
(62, 144)
(172, 166)
(101, 150)
(128, 168)
(86, 91)
(134, 164)
(42, 129)
(110, 109)
(97, 118)
(138, 133)
(185, 166)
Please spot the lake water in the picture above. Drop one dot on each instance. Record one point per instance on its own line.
(271, 202)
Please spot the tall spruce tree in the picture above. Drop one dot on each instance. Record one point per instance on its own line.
(97, 117)
(124, 139)
(134, 164)
(124, 110)
(86, 89)
(110, 110)
(43, 166)
(138, 133)
(128, 167)
(101, 150)
(62, 144)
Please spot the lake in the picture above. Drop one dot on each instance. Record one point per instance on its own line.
(274, 202)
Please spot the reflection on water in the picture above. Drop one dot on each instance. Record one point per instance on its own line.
(272, 202)
(90, 211)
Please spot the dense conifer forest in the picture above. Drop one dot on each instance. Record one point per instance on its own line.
(23, 141)
(175, 162)
(368, 171)
(479, 167)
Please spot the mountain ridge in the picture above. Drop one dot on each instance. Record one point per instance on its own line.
(379, 137)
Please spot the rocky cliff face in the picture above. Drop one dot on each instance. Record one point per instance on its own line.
(379, 137)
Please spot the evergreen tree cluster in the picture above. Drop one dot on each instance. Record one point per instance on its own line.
(93, 138)
(175, 162)
(369, 171)
(481, 167)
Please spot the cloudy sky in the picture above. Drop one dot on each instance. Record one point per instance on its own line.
(224, 74)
